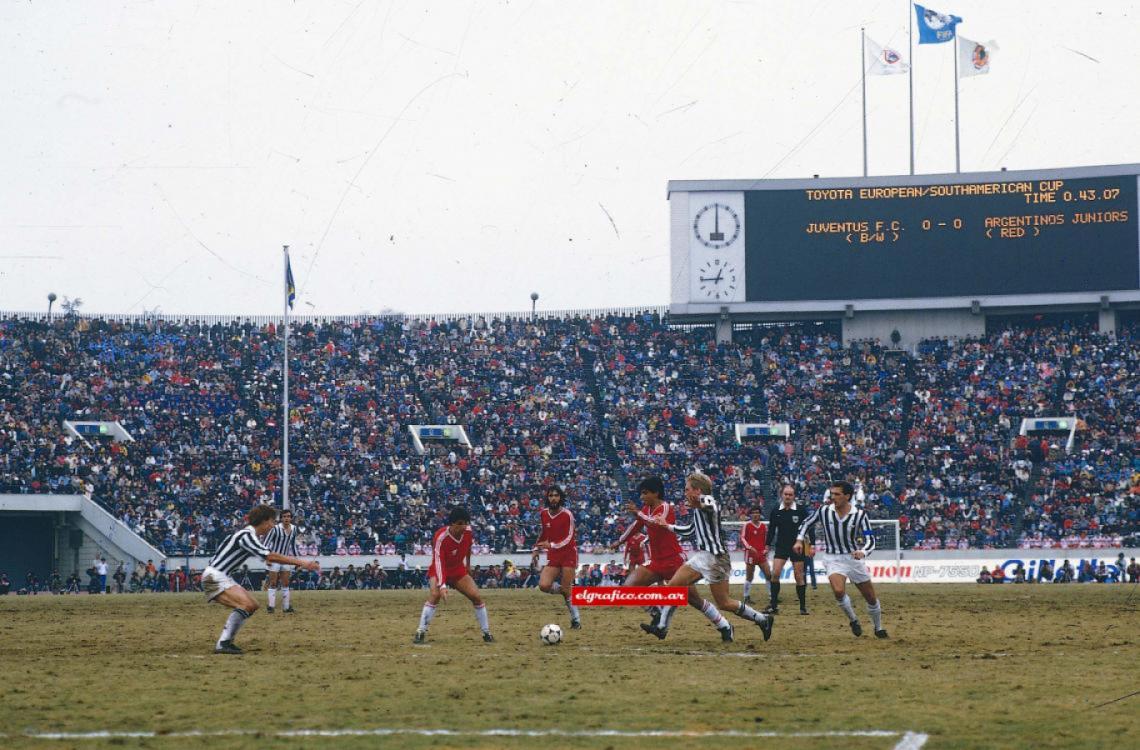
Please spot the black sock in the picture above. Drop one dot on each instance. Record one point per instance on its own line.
(801, 593)
(775, 593)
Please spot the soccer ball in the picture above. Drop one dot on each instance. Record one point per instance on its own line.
(551, 634)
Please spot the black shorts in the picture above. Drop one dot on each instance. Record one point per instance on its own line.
(787, 554)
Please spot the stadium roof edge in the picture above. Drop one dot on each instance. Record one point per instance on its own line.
(941, 178)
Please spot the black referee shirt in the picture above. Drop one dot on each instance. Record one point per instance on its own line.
(783, 525)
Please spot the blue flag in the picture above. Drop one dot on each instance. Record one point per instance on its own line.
(934, 27)
(290, 287)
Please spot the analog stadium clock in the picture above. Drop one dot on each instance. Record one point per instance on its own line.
(716, 225)
(717, 279)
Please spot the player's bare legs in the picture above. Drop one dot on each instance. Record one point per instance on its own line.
(750, 572)
(560, 580)
(243, 605)
(839, 588)
(286, 598)
(271, 590)
(466, 586)
(686, 576)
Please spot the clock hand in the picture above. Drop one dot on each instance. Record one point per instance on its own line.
(719, 274)
(716, 218)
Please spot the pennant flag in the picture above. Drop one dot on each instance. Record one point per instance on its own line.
(883, 61)
(934, 27)
(974, 57)
(290, 287)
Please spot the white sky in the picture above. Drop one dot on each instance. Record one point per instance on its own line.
(454, 155)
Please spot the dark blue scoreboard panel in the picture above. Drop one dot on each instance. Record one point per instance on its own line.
(985, 238)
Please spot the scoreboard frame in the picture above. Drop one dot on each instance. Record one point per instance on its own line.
(689, 294)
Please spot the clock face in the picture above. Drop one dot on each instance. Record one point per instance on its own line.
(717, 279)
(716, 226)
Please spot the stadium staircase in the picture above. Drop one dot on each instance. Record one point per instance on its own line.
(431, 409)
(606, 437)
(906, 421)
(768, 476)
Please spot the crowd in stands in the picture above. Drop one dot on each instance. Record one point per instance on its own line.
(593, 403)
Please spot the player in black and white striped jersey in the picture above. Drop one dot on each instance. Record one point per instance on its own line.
(849, 539)
(281, 539)
(710, 560)
(235, 549)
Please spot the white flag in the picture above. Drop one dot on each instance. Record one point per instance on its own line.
(974, 57)
(883, 61)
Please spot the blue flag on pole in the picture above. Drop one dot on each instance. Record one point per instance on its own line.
(290, 287)
(934, 27)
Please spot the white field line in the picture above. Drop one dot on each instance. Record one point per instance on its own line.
(909, 741)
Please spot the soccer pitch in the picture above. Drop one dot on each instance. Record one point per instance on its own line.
(966, 667)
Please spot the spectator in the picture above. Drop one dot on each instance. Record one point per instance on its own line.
(101, 575)
(997, 575)
(984, 576)
(5, 584)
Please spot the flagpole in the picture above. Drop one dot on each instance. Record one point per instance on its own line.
(910, 75)
(863, 66)
(285, 395)
(957, 146)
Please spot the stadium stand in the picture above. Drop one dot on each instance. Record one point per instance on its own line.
(592, 402)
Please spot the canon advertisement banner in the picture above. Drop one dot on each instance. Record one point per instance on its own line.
(951, 570)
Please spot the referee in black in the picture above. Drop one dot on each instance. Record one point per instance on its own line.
(783, 524)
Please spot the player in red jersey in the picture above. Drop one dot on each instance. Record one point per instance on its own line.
(557, 538)
(450, 559)
(635, 552)
(665, 555)
(754, 539)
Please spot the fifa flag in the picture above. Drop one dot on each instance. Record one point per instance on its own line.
(973, 57)
(934, 27)
(883, 61)
(290, 287)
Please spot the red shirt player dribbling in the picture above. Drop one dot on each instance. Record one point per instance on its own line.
(450, 558)
(665, 554)
(557, 538)
(754, 539)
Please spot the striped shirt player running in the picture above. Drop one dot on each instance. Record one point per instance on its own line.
(450, 559)
(849, 539)
(281, 539)
(710, 560)
(665, 555)
(557, 538)
(235, 549)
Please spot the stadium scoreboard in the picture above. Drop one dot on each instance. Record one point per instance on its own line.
(931, 236)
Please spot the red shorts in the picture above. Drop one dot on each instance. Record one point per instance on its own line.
(450, 575)
(567, 557)
(755, 558)
(667, 567)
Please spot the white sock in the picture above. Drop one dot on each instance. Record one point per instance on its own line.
(876, 612)
(233, 624)
(426, 615)
(272, 596)
(481, 616)
(709, 610)
(750, 614)
(556, 587)
(845, 605)
(665, 617)
(747, 588)
(572, 609)
(286, 598)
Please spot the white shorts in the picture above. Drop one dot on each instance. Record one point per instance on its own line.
(845, 565)
(278, 568)
(714, 568)
(214, 582)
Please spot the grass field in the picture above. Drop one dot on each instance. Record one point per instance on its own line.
(967, 666)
